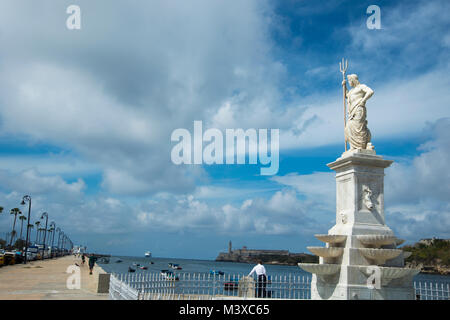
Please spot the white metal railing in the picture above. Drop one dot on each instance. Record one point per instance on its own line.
(149, 286)
(120, 289)
(202, 286)
(427, 290)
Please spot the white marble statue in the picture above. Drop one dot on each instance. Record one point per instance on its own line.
(356, 131)
(361, 258)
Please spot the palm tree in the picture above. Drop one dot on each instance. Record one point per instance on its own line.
(13, 235)
(37, 223)
(15, 212)
(22, 219)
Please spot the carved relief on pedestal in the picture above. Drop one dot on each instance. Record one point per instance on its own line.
(367, 198)
(343, 217)
(370, 197)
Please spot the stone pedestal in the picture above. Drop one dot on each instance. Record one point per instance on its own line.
(246, 287)
(360, 193)
(360, 259)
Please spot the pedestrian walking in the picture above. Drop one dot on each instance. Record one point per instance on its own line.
(92, 260)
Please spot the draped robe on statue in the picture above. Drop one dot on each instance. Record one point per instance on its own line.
(356, 131)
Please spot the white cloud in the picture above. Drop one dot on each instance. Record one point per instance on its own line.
(417, 192)
(318, 184)
(52, 164)
(115, 100)
(409, 28)
(282, 213)
(31, 181)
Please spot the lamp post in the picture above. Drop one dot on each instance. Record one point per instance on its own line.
(59, 235)
(37, 223)
(59, 239)
(29, 227)
(66, 242)
(63, 242)
(27, 199)
(52, 228)
(45, 214)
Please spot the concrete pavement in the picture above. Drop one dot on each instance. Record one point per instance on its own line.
(46, 280)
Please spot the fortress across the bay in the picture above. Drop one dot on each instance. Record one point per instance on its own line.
(267, 256)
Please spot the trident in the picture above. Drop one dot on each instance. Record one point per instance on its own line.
(343, 68)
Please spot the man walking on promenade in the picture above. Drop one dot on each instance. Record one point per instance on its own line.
(262, 279)
(92, 260)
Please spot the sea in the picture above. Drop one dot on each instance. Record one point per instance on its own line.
(229, 268)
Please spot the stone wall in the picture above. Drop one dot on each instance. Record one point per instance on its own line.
(101, 280)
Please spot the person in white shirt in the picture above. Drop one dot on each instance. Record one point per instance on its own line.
(262, 279)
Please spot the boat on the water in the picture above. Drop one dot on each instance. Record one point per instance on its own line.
(232, 284)
(148, 254)
(143, 268)
(176, 266)
(169, 275)
(103, 260)
(217, 272)
(118, 261)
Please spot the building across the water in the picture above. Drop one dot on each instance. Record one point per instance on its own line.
(429, 242)
(267, 256)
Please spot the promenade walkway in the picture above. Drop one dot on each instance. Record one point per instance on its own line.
(46, 280)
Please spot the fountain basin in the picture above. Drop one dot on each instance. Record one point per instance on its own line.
(380, 256)
(320, 269)
(376, 240)
(331, 238)
(323, 252)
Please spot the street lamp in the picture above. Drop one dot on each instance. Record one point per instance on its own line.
(45, 214)
(63, 242)
(59, 234)
(37, 223)
(66, 241)
(52, 228)
(59, 239)
(27, 199)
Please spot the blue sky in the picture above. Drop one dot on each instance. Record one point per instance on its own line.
(86, 117)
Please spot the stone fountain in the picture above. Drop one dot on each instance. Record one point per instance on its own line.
(360, 259)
